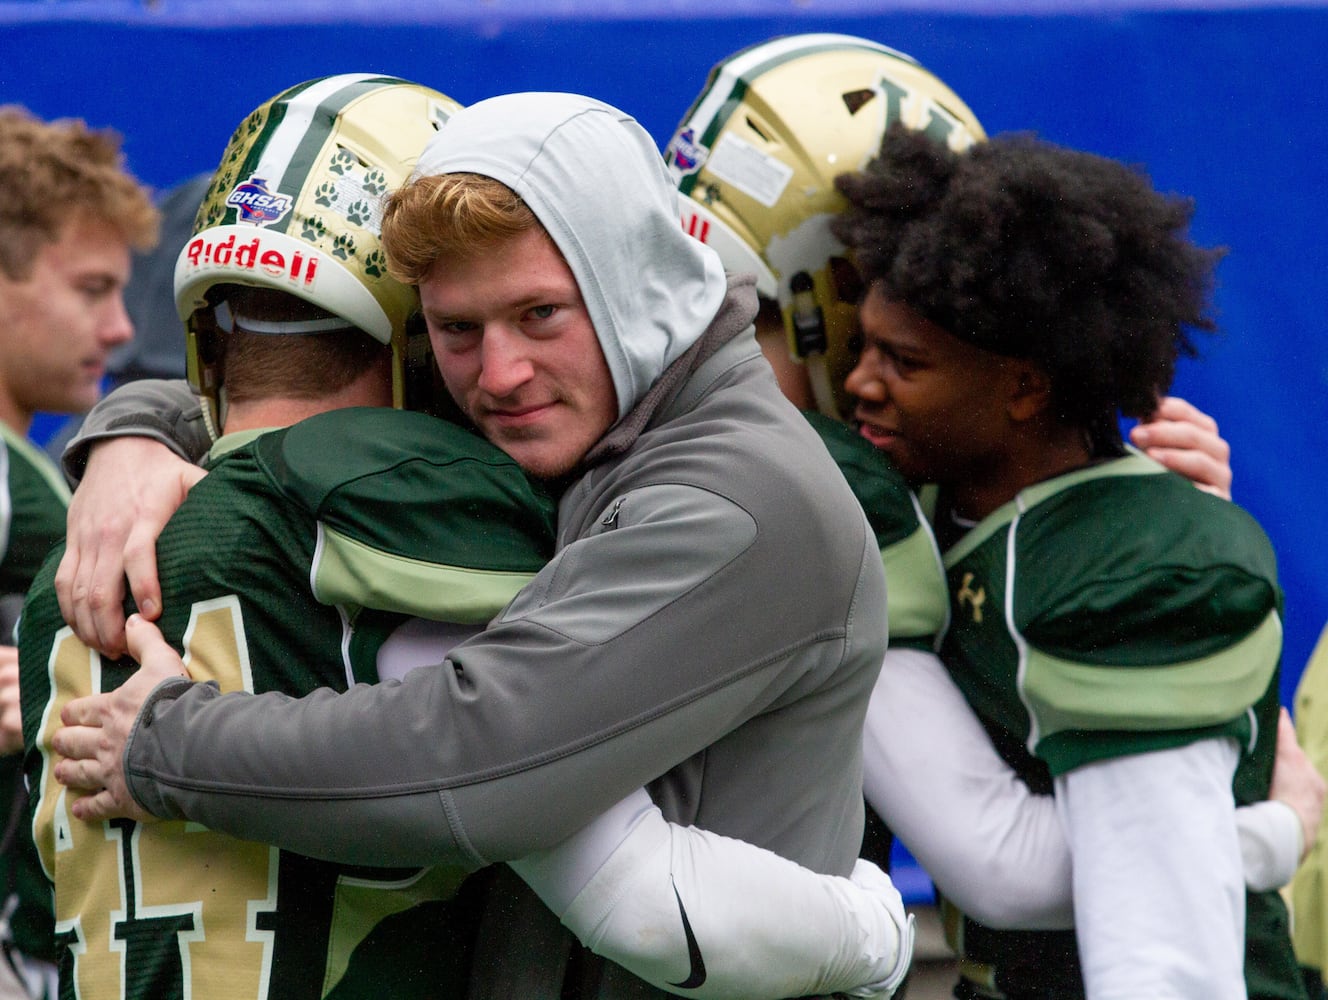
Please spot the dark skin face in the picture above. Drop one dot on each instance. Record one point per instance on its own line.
(946, 412)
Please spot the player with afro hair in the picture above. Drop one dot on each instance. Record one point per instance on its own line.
(1036, 251)
(1115, 629)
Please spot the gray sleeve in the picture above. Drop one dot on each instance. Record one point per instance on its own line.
(609, 669)
(165, 410)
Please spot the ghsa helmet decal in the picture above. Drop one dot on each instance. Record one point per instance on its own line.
(685, 153)
(255, 204)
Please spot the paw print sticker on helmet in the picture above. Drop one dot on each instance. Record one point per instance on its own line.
(300, 189)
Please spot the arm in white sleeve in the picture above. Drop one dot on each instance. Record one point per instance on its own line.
(1271, 844)
(702, 915)
(1159, 898)
(993, 848)
(766, 927)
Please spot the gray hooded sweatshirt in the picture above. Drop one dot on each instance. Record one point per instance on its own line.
(711, 626)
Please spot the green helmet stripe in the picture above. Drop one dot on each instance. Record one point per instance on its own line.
(297, 127)
(716, 124)
(314, 138)
(731, 79)
(261, 149)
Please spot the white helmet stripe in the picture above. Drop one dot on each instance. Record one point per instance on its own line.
(741, 67)
(291, 134)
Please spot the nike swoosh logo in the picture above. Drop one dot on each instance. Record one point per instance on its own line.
(698, 974)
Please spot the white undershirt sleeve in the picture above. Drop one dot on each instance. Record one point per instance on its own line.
(702, 915)
(1158, 889)
(419, 642)
(760, 925)
(1271, 843)
(993, 848)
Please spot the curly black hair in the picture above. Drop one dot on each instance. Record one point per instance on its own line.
(1033, 250)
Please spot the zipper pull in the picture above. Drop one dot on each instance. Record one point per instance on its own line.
(610, 520)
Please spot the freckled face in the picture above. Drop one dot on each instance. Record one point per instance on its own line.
(518, 352)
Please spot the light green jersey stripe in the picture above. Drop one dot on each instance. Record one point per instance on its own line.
(1063, 695)
(349, 573)
(362, 904)
(917, 599)
(38, 459)
(1133, 464)
(227, 443)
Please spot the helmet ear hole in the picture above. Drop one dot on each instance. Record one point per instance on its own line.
(855, 100)
(424, 389)
(755, 127)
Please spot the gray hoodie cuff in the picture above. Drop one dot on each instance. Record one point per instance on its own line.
(139, 780)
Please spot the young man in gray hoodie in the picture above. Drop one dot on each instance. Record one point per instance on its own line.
(666, 643)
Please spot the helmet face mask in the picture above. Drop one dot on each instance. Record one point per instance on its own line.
(756, 157)
(295, 206)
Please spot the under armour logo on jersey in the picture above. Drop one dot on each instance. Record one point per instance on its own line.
(973, 598)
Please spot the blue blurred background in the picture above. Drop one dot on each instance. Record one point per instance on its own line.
(1224, 101)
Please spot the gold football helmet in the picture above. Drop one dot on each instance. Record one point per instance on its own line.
(296, 206)
(756, 158)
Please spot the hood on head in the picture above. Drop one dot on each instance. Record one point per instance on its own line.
(595, 180)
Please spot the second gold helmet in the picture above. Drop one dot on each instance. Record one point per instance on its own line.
(756, 157)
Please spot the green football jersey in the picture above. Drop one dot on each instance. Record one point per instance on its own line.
(32, 510)
(1111, 611)
(285, 570)
(33, 502)
(917, 600)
